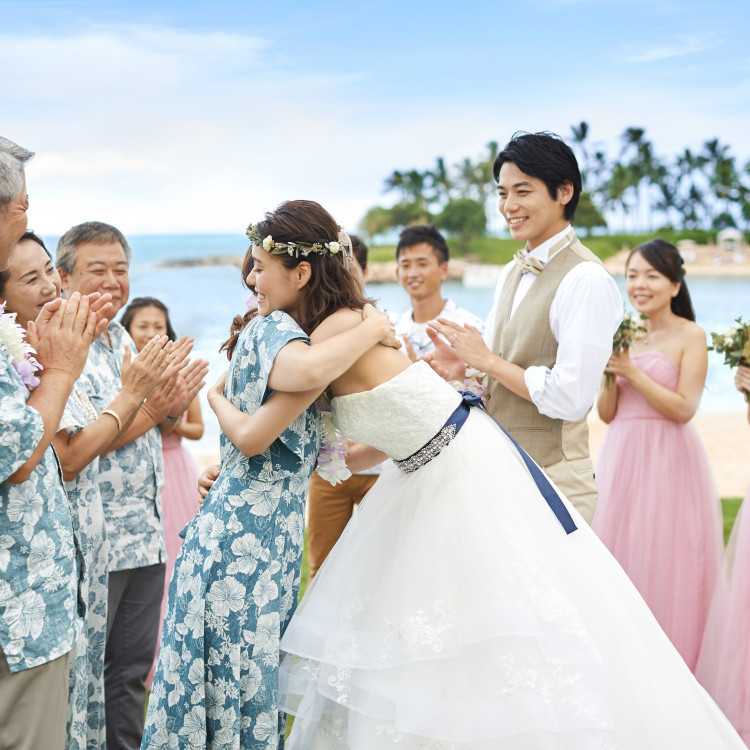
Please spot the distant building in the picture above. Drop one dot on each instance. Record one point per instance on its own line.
(730, 246)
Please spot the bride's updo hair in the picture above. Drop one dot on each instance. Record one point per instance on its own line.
(666, 259)
(333, 283)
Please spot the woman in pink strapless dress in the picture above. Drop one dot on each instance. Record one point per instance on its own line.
(724, 664)
(144, 318)
(658, 511)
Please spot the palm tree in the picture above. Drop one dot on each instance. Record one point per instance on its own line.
(722, 175)
(440, 182)
(580, 134)
(691, 200)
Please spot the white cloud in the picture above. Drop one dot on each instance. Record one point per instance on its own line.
(163, 130)
(684, 46)
(90, 163)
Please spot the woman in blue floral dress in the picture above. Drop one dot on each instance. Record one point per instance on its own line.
(235, 581)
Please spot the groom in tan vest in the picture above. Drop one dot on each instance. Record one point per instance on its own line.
(549, 334)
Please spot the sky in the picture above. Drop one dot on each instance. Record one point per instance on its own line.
(197, 117)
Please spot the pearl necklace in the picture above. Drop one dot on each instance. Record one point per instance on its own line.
(86, 404)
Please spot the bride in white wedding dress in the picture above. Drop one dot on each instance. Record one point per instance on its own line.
(457, 611)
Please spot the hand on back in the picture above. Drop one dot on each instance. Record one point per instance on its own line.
(380, 318)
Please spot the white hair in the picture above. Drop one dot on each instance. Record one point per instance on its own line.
(12, 160)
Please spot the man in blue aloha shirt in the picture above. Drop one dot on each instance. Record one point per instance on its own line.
(94, 257)
(40, 606)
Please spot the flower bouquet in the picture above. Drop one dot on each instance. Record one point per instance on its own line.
(631, 326)
(734, 344)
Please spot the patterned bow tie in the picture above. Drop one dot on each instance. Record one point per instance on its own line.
(528, 263)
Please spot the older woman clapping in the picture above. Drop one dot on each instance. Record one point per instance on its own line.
(31, 281)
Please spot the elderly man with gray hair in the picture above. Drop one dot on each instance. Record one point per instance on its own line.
(40, 603)
(13, 199)
(95, 257)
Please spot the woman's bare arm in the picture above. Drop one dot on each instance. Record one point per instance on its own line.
(253, 433)
(299, 367)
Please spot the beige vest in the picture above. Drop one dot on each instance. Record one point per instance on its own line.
(527, 340)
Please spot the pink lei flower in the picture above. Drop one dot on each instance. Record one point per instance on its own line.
(19, 352)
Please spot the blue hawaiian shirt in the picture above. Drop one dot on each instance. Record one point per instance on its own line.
(40, 611)
(86, 723)
(130, 478)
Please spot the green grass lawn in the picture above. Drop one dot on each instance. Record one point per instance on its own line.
(730, 506)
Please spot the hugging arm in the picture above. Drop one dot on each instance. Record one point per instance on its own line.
(299, 367)
(253, 433)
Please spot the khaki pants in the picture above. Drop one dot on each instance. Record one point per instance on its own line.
(34, 706)
(575, 478)
(329, 509)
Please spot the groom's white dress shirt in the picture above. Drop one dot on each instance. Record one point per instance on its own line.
(586, 310)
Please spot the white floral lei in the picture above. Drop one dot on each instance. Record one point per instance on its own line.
(20, 353)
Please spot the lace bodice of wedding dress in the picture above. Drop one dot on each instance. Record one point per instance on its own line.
(399, 416)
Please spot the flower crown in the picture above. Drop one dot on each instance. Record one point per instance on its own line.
(302, 248)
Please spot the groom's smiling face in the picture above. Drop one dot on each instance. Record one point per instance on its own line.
(532, 214)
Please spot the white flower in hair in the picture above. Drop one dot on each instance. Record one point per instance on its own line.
(334, 247)
(267, 243)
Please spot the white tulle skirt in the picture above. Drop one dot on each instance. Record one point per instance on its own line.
(455, 612)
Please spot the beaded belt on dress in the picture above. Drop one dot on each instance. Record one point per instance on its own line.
(449, 431)
(436, 444)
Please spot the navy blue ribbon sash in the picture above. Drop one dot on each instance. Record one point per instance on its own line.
(543, 484)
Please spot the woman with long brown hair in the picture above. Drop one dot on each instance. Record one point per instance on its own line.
(236, 577)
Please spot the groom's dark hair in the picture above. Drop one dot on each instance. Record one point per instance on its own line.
(548, 158)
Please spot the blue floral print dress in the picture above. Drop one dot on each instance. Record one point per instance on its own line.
(236, 578)
(86, 723)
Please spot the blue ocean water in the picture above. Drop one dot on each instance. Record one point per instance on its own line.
(203, 300)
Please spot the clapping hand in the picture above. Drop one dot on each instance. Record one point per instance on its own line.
(410, 353)
(443, 359)
(67, 329)
(466, 341)
(99, 304)
(142, 374)
(189, 382)
(178, 352)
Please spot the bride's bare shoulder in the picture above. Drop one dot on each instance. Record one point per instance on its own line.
(341, 320)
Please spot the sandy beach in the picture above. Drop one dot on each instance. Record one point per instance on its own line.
(702, 260)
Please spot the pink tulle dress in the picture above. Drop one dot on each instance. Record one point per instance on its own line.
(724, 664)
(179, 503)
(658, 510)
